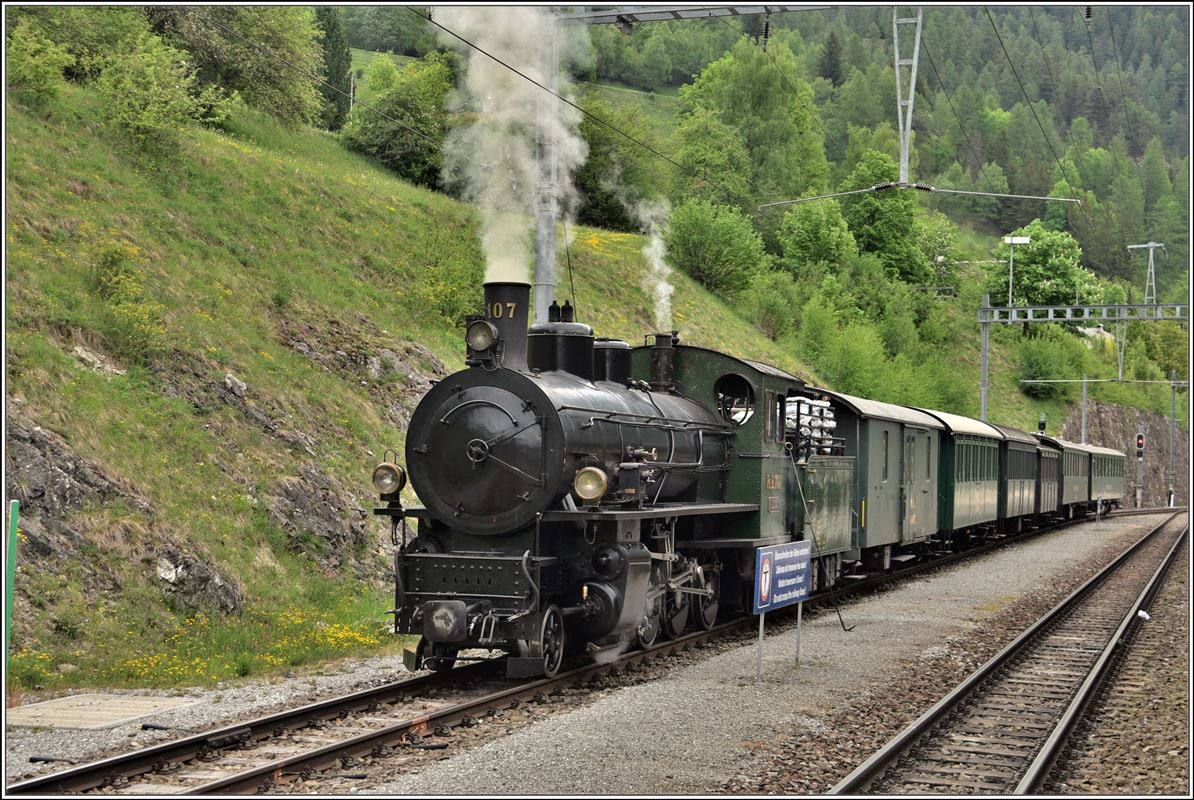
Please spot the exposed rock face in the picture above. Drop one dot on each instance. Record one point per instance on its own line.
(321, 519)
(52, 481)
(1115, 426)
(193, 377)
(196, 585)
(48, 477)
(397, 373)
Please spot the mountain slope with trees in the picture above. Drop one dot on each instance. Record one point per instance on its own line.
(220, 315)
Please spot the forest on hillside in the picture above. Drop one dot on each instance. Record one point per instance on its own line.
(1110, 89)
(1026, 101)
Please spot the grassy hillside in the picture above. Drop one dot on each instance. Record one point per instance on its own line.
(276, 259)
(197, 501)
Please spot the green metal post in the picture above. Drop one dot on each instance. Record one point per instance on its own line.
(10, 570)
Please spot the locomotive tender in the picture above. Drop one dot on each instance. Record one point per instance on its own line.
(583, 495)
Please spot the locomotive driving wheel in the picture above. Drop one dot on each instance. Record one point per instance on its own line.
(706, 607)
(648, 626)
(675, 614)
(550, 646)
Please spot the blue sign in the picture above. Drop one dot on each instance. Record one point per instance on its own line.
(781, 575)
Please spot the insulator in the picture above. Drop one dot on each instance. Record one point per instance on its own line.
(1090, 12)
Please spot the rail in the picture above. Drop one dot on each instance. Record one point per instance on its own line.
(109, 773)
(875, 768)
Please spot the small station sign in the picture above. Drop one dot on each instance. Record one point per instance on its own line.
(782, 577)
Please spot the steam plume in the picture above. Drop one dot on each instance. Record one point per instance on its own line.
(493, 159)
(652, 216)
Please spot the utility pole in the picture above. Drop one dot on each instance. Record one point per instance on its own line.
(982, 385)
(1121, 345)
(1150, 283)
(546, 204)
(1084, 408)
(1172, 436)
(1011, 242)
(904, 105)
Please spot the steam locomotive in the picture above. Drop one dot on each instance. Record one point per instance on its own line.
(584, 496)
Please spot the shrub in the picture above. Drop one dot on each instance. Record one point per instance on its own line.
(151, 93)
(132, 323)
(853, 360)
(772, 302)
(1044, 358)
(34, 66)
(413, 101)
(815, 232)
(818, 327)
(716, 246)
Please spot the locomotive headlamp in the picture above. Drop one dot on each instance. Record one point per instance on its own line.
(388, 478)
(590, 484)
(480, 335)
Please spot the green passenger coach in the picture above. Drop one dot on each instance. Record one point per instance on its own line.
(1106, 475)
(895, 485)
(1017, 477)
(969, 489)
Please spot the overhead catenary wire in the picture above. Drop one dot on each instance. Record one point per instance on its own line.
(1124, 97)
(726, 190)
(1024, 92)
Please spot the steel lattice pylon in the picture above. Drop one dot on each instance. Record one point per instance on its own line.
(905, 100)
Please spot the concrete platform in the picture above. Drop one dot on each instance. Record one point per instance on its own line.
(91, 712)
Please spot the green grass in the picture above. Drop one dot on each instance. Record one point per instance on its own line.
(249, 232)
(658, 107)
(361, 59)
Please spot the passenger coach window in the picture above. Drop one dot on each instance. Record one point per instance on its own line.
(885, 455)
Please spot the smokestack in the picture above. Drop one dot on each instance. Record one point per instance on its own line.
(663, 362)
(506, 307)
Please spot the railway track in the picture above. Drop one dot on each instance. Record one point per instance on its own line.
(1001, 730)
(389, 720)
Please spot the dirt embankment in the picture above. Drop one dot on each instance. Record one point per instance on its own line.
(1116, 426)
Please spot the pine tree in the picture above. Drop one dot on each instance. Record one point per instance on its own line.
(830, 65)
(337, 60)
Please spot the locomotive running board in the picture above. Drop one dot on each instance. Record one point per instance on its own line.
(651, 512)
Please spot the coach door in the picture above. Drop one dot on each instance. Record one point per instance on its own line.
(914, 497)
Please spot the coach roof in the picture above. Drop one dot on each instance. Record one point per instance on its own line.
(873, 409)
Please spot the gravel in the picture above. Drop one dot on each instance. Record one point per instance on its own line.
(708, 727)
(214, 707)
(1135, 738)
(695, 722)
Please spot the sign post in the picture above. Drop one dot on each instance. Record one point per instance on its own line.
(10, 569)
(781, 578)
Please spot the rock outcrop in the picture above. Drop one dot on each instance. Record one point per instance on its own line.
(1115, 426)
